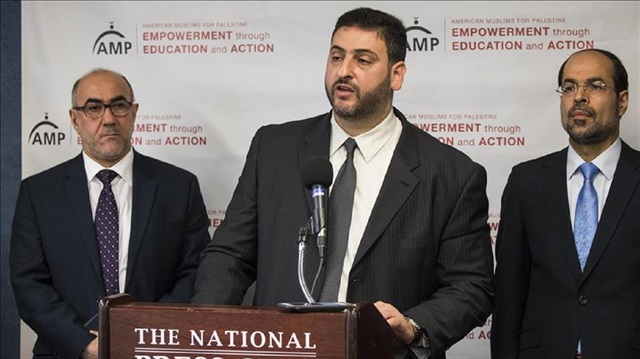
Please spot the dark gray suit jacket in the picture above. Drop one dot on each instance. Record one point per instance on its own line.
(55, 263)
(544, 302)
(426, 248)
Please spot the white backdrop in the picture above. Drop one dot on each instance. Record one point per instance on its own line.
(481, 76)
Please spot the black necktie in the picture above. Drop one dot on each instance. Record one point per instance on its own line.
(339, 223)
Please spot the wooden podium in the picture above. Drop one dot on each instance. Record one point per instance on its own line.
(137, 330)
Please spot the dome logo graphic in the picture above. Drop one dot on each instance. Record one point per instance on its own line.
(111, 42)
(46, 133)
(419, 39)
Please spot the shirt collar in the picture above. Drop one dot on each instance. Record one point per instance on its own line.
(124, 167)
(370, 142)
(606, 162)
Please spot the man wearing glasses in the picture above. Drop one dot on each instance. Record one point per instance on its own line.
(108, 221)
(568, 246)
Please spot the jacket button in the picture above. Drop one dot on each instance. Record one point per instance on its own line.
(583, 300)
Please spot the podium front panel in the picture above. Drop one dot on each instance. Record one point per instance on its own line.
(148, 331)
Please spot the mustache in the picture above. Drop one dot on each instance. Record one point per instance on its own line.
(585, 109)
(345, 81)
(110, 131)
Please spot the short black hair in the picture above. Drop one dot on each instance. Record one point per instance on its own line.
(620, 76)
(389, 27)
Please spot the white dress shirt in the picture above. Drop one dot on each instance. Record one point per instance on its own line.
(371, 159)
(122, 187)
(606, 162)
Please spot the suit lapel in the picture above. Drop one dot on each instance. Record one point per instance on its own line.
(77, 192)
(144, 189)
(398, 184)
(625, 182)
(554, 184)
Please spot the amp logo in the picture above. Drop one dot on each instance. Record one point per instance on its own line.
(419, 39)
(111, 42)
(46, 133)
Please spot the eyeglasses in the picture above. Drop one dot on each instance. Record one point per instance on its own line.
(96, 110)
(590, 87)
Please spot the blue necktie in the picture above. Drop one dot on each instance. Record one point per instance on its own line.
(107, 230)
(586, 216)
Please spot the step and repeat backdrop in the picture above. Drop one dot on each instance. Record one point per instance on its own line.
(481, 77)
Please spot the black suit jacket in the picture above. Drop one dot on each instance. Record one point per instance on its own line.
(55, 263)
(426, 248)
(544, 302)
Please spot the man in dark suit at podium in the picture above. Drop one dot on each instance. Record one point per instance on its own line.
(417, 243)
(150, 225)
(568, 247)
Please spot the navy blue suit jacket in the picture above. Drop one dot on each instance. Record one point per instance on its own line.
(544, 301)
(55, 264)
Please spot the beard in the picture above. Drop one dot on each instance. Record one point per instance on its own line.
(367, 104)
(585, 132)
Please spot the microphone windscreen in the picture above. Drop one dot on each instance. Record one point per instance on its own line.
(317, 170)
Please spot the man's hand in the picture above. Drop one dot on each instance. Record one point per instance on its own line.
(401, 327)
(91, 351)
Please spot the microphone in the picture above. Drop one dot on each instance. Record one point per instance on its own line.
(317, 175)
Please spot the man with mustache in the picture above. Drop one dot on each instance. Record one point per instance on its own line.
(568, 246)
(416, 237)
(108, 221)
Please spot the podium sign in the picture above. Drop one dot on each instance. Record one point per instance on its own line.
(137, 330)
